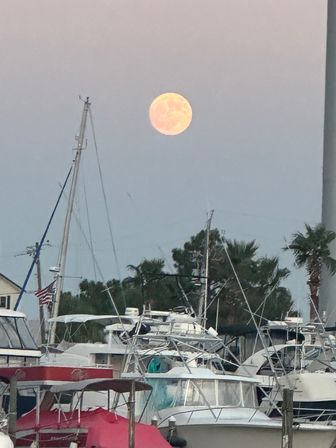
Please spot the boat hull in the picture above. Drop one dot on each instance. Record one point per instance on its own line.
(251, 436)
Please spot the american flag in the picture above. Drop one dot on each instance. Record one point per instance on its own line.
(46, 294)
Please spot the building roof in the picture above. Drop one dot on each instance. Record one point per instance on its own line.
(10, 281)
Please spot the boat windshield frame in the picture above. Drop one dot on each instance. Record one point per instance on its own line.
(15, 334)
(200, 392)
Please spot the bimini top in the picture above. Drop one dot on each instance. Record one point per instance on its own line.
(11, 313)
(102, 319)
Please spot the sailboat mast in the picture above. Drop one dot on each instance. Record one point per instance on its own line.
(65, 240)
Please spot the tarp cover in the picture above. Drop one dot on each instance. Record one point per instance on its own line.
(104, 429)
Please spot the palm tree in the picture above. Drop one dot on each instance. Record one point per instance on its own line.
(311, 251)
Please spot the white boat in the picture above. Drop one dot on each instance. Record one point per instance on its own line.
(206, 409)
(308, 368)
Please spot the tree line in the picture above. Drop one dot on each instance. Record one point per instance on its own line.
(150, 283)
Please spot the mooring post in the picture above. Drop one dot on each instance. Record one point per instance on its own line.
(12, 409)
(131, 416)
(287, 418)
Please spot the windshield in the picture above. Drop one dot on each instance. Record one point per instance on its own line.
(168, 393)
(14, 333)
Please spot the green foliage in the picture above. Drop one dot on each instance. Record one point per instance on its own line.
(150, 284)
(260, 278)
(311, 251)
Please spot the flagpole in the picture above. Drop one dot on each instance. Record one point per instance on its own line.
(39, 287)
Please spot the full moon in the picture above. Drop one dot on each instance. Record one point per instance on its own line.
(170, 113)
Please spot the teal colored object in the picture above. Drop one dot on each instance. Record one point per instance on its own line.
(158, 365)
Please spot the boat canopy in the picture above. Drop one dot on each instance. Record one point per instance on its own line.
(83, 318)
(98, 385)
(11, 313)
(52, 375)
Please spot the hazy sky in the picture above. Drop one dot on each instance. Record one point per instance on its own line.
(253, 71)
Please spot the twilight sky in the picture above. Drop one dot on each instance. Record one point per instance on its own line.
(254, 74)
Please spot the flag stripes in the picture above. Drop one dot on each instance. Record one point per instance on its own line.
(46, 294)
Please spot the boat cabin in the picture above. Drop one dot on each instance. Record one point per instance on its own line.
(197, 388)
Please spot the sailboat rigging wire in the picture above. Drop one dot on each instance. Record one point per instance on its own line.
(95, 261)
(106, 206)
(38, 250)
(217, 295)
(90, 231)
(262, 340)
(180, 287)
(87, 240)
(262, 305)
(100, 273)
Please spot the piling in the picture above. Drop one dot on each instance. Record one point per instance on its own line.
(12, 409)
(287, 418)
(131, 416)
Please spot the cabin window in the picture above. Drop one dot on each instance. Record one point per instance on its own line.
(65, 398)
(169, 393)
(4, 340)
(249, 395)
(25, 336)
(201, 393)
(229, 393)
(101, 358)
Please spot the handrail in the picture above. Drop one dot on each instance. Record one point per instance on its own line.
(202, 409)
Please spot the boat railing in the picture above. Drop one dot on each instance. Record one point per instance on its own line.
(191, 412)
(314, 414)
(324, 415)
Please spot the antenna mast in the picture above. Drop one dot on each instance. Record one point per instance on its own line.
(203, 303)
(34, 252)
(65, 240)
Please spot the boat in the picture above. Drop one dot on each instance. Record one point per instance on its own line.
(304, 362)
(208, 409)
(49, 425)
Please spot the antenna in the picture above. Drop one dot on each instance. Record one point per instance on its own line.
(32, 252)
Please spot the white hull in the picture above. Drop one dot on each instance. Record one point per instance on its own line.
(228, 435)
